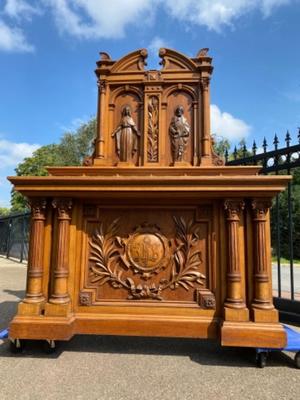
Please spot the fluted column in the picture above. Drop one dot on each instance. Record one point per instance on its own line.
(205, 140)
(34, 291)
(262, 299)
(60, 293)
(234, 298)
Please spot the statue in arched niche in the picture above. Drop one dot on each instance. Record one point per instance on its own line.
(179, 133)
(126, 136)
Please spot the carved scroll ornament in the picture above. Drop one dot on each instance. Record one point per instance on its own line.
(146, 252)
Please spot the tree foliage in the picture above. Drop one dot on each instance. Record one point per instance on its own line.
(71, 150)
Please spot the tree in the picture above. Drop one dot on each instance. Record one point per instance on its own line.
(220, 145)
(4, 211)
(71, 150)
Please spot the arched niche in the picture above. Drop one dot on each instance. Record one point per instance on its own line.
(120, 99)
(178, 96)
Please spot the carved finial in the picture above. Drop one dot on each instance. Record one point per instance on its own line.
(104, 56)
(203, 52)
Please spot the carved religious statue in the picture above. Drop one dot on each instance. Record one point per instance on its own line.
(179, 132)
(126, 136)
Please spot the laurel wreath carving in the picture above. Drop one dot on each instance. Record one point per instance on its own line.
(106, 249)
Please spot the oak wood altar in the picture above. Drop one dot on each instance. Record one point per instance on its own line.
(153, 235)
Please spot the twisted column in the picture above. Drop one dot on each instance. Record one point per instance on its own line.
(60, 293)
(34, 290)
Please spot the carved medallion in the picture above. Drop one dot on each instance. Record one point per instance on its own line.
(146, 253)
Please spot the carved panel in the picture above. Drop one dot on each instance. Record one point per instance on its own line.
(153, 129)
(128, 259)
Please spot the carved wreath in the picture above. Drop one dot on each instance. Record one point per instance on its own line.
(106, 249)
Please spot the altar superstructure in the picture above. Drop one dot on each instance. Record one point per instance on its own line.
(153, 235)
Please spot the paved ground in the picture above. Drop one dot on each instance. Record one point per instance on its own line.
(286, 280)
(121, 368)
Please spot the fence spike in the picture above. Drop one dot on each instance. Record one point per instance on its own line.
(265, 145)
(235, 153)
(244, 151)
(226, 155)
(288, 139)
(254, 148)
(276, 141)
(299, 134)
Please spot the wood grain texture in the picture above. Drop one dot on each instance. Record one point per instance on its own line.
(153, 236)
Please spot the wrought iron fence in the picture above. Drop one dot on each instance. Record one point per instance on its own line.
(14, 236)
(285, 218)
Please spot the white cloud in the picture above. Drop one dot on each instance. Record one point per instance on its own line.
(215, 14)
(12, 153)
(155, 44)
(13, 39)
(226, 125)
(94, 19)
(20, 9)
(98, 18)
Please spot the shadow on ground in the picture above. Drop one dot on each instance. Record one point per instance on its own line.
(204, 352)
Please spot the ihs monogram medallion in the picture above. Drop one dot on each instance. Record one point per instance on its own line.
(146, 251)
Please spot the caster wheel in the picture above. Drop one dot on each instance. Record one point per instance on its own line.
(297, 359)
(49, 346)
(16, 346)
(261, 359)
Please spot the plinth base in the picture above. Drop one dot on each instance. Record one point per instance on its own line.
(250, 334)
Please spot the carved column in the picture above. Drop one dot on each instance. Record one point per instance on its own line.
(234, 298)
(205, 140)
(60, 285)
(34, 292)
(101, 112)
(262, 293)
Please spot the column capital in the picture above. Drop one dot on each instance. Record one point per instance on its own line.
(64, 207)
(233, 208)
(102, 85)
(38, 208)
(260, 208)
(204, 81)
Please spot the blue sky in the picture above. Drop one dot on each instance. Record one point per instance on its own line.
(48, 50)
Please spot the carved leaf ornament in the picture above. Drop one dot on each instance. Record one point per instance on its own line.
(146, 247)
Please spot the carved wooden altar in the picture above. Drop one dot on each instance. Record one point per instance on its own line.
(153, 236)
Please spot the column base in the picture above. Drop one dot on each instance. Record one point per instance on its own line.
(31, 308)
(236, 314)
(206, 161)
(268, 315)
(57, 310)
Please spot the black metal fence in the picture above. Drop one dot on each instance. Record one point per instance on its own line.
(14, 236)
(285, 218)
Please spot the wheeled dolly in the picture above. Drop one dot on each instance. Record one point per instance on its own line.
(292, 344)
